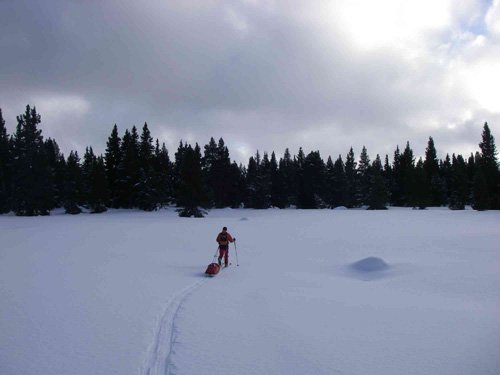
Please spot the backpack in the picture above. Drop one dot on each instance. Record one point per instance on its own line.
(223, 238)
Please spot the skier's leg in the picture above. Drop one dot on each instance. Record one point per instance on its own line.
(221, 254)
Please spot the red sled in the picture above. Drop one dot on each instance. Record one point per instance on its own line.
(212, 269)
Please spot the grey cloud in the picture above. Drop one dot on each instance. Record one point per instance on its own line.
(188, 69)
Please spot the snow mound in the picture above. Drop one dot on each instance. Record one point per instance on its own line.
(341, 208)
(244, 219)
(370, 268)
(370, 264)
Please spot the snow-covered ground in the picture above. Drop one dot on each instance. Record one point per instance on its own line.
(316, 292)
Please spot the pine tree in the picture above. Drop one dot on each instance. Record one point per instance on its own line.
(32, 193)
(407, 175)
(311, 192)
(57, 166)
(258, 182)
(278, 197)
(363, 188)
(251, 194)
(351, 177)
(164, 173)
(5, 168)
(471, 172)
(378, 195)
(330, 185)
(89, 159)
(190, 194)
(112, 159)
(395, 186)
(445, 170)
(146, 149)
(336, 183)
(419, 190)
(264, 182)
(238, 187)
(489, 167)
(217, 173)
(176, 172)
(481, 197)
(128, 170)
(73, 184)
(431, 166)
(459, 184)
(99, 191)
(146, 193)
(224, 166)
(287, 171)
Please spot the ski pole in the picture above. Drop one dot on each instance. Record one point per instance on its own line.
(216, 251)
(237, 263)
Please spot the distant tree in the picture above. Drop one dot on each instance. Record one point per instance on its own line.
(89, 160)
(419, 190)
(237, 186)
(445, 171)
(459, 184)
(56, 165)
(5, 168)
(146, 191)
(407, 175)
(251, 194)
(128, 170)
(146, 149)
(209, 169)
(163, 171)
(217, 172)
(378, 194)
(258, 182)
(363, 175)
(312, 188)
(278, 195)
(395, 182)
(190, 193)
(287, 172)
(99, 191)
(437, 189)
(112, 160)
(387, 174)
(488, 163)
(32, 193)
(73, 184)
(177, 165)
(471, 172)
(264, 182)
(351, 177)
(330, 184)
(339, 183)
(481, 197)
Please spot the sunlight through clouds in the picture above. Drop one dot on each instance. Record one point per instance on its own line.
(323, 73)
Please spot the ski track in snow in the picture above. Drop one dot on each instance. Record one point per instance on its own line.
(160, 352)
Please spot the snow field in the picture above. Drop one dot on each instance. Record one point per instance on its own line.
(124, 293)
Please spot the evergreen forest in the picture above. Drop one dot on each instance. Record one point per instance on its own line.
(137, 171)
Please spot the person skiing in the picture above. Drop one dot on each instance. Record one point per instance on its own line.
(223, 239)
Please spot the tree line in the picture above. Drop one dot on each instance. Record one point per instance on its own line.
(137, 172)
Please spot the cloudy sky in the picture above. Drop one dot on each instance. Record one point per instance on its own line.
(262, 74)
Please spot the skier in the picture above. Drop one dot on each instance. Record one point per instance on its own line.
(223, 239)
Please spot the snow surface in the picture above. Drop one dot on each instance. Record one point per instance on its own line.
(124, 293)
